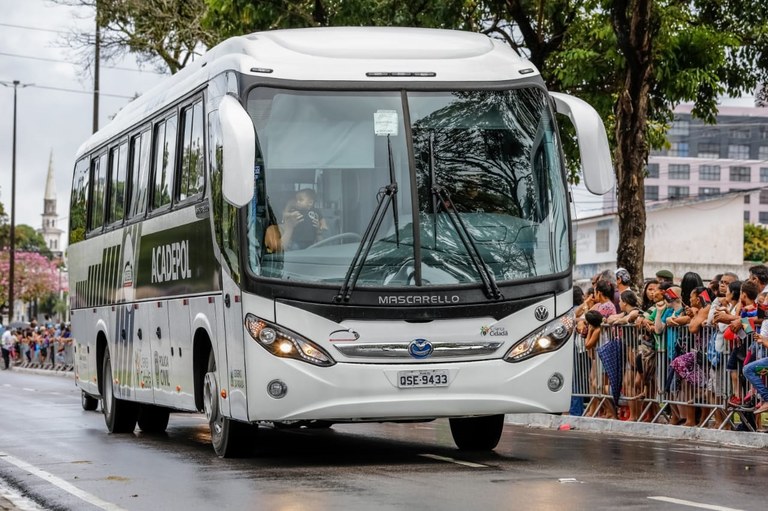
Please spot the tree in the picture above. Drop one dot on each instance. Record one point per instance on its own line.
(167, 31)
(27, 240)
(755, 243)
(35, 276)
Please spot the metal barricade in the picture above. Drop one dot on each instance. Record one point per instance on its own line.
(677, 375)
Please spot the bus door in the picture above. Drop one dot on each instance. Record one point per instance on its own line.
(235, 352)
(85, 353)
(180, 331)
(134, 327)
(160, 347)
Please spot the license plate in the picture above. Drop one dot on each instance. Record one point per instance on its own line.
(426, 378)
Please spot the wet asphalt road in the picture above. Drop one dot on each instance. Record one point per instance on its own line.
(62, 457)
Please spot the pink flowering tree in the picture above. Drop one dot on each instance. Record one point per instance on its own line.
(35, 276)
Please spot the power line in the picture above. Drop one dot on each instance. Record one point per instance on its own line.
(44, 59)
(77, 91)
(39, 29)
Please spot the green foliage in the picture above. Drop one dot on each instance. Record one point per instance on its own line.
(27, 240)
(755, 243)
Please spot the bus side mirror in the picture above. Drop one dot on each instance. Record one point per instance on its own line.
(593, 142)
(239, 152)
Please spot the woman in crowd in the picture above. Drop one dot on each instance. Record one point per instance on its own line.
(689, 366)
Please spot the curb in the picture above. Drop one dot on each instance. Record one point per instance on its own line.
(65, 371)
(639, 429)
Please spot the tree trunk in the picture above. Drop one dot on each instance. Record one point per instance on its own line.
(632, 23)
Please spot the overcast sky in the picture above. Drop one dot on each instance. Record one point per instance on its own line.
(49, 120)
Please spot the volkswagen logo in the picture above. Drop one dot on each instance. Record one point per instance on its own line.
(420, 348)
(541, 313)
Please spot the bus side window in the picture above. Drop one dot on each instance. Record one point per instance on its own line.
(78, 210)
(191, 176)
(118, 160)
(98, 185)
(165, 161)
(140, 160)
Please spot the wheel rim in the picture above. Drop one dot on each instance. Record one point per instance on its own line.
(211, 404)
(107, 390)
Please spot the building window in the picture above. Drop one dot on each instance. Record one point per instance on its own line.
(740, 133)
(652, 170)
(680, 128)
(762, 153)
(746, 216)
(763, 196)
(740, 174)
(738, 152)
(679, 149)
(651, 192)
(709, 172)
(601, 238)
(678, 171)
(747, 198)
(764, 133)
(709, 191)
(677, 192)
(763, 217)
(709, 150)
(764, 175)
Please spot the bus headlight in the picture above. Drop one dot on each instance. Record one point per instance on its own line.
(286, 344)
(548, 338)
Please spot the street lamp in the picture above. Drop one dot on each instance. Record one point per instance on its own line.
(12, 255)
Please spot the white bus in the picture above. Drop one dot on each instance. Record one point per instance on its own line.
(316, 226)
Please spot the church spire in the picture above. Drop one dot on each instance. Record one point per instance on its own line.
(50, 184)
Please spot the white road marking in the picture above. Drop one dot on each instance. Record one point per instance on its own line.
(699, 505)
(568, 480)
(29, 390)
(60, 483)
(451, 460)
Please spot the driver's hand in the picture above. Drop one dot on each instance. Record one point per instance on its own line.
(292, 218)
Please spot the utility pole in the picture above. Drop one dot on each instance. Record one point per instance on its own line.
(96, 60)
(12, 255)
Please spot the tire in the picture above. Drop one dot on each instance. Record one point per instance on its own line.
(477, 433)
(88, 402)
(153, 419)
(229, 437)
(119, 415)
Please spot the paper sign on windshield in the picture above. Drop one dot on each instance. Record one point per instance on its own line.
(385, 123)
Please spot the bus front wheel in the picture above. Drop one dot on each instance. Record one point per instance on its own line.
(477, 433)
(120, 415)
(227, 436)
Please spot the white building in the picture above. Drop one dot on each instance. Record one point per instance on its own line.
(703, 234)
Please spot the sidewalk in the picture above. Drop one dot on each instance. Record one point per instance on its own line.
(638, 429)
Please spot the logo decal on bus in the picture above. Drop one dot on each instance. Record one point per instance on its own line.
(344, 335)
(420, 348)
(493, 331)
(418, 299)
(171, 262)
(541, 313)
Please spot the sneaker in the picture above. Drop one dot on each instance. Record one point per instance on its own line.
(749, 402)
(734, 400)
(762, 408)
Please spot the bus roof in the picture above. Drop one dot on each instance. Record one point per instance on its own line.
(338, 54)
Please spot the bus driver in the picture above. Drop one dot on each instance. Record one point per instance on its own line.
(302, 225)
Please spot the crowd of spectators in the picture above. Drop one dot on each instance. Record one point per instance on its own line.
(37, 345)
(729, 310)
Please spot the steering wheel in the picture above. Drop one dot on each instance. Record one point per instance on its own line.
(352, 236)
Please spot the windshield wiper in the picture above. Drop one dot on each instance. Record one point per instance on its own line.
(385, 197)
(486, 275)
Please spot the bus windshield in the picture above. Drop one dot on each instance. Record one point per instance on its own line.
(478, 173)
